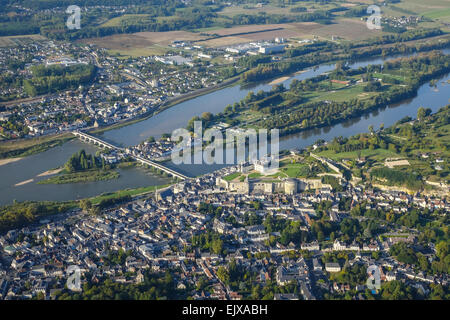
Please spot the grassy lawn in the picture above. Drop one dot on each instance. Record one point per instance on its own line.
(438, 14)
(293, 170)
(232, 176)
(254, 175)
(339, 93)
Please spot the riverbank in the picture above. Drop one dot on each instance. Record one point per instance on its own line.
(167, 104)
(20, 148)
(279, 80)
(9, 160)
(23, 182)
(50, 172)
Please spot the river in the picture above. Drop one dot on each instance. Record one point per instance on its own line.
(177, 117)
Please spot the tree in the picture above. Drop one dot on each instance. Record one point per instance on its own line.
(207, 116)
(217, 246)
(86, 205)
(421, 113)
(223, 274)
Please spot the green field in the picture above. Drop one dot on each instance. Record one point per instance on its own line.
(342, 94)
(439, 14)
(294, 170)
(232, 176)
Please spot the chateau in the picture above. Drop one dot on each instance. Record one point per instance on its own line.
(261, 185)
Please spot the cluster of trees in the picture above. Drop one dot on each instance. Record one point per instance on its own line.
(354, 275)
(309, 48)
(356, 12)
(235, 275)
(404, 253)
(81, 161)
(56, 78)
(393, 176)
(334, 182)
(253, 61)
(289, 230)
(19, 215)
(87, 205)
(156, 286)
(373, 86)
(209, 241)
(117, 258)
(264, 18)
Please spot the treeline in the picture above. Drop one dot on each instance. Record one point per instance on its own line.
(408, 255)
(56, 78)
(210, 241)
(156, 286)
(19, 215)
(309, 48)
(50, 4)
(18, 28)
(253, 61)
(87, 205)
(105, 203)
(399, 178)
(264, 18)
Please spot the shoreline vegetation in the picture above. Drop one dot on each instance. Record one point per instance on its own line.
(82, 167)
(21, 148)
(85, 176)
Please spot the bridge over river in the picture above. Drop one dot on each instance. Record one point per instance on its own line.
(94, 140)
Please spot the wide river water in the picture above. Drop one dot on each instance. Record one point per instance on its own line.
(15, 178)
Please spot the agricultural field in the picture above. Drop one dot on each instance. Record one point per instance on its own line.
(13, 41)
(141, 43)
(148, 43)
(437, 12)
(346, 29)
